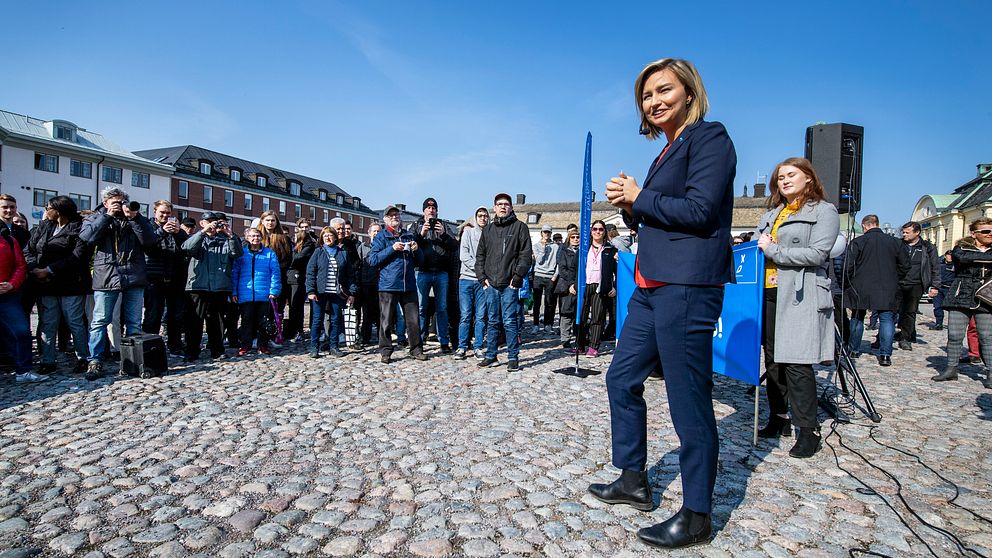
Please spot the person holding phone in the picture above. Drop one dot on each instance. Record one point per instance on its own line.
(166, 269)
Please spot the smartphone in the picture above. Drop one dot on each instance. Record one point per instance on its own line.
(173, 220)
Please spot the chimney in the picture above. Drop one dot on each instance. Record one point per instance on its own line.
(984, 168)
(759, 190)
(521, 199)
(745, 190)
(401, 206)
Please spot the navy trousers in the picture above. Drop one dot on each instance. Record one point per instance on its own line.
(671, 325)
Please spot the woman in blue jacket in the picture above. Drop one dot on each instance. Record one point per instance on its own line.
(330, 285)
(256, 283)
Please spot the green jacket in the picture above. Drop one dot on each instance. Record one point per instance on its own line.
(211, 260)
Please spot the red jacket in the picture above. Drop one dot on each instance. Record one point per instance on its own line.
(12, 266)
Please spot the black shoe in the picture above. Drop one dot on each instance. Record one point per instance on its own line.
(314, 353)
(402, 343)
(386, 359)
(420, 356)
(445, 350)
(94, 370)
(190, 359)
(631, 488)
(936, 327)
(884, 360)
(777, 426)
(964, 360)
(905, 346)
(334, 352)
(950, 373)
(80, 366)
(686, 528)
(487, 362)
(46, 368)
(807, 443)
(512, 365)
(177, 352)
(974, 360)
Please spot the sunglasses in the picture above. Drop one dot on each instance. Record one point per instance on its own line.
(598, 229)
(984, 231)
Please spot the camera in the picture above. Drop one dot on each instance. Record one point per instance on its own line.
(406, 246)
(134, 206)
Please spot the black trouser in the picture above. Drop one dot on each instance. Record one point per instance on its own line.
(787, 385)
(542, 291)
(909, 307)
(591, 319)
(208, 307)
(159, 296)
(252, 314)
(231, 315)
(843, 323)
(297, 302)
(368, 308)
(387, 315)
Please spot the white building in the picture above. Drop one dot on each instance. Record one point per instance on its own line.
(41, 159)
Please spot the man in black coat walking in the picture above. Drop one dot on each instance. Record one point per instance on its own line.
(875, 265)
(923, 277)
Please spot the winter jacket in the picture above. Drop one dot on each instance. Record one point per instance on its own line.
(929, 269)
(439, 248)
(297, 274)
(165, 259)
(65, 255)
(13, 268)
(568, 272)
(319, 266)
(119, 244)
(973, 268)
(504, 254)
(946, 274)
(211, 260)
(256, 275)
(468, 248)
(874, 264)
(545, 259)
(369, 274)
(395, 267)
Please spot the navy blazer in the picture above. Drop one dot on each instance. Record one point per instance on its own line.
(684, 210)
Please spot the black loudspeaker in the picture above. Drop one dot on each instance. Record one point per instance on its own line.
(143, 355)
(835, 151)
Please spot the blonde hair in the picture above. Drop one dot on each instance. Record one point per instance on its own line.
(699, 104)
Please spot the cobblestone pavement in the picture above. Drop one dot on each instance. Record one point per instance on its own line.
(286, 456)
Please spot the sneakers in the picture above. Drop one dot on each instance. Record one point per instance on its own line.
(512, 365)
(592, 353)
(94, 370)
(572, 350)
(243, 351)
(314, 353)
(549, 330)
(480, 354)
(936, 327)
(30, 378)
(487, 362)
(461, 354)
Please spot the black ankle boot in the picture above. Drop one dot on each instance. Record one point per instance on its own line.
(807, 443)
(631, 488)
(685, 528)
(777, 426)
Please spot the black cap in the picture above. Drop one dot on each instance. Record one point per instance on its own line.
(189, 222)
(430, 201)
(503, 195)
(214, 216)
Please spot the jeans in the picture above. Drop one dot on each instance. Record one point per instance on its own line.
(15, 332)
(438, 280)
(886, 331)
(326, 305)
(132, 300)
(69, 309)
(503, 305)
(160, 295)
(472, 305)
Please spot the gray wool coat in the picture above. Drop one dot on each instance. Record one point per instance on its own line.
(804, 327)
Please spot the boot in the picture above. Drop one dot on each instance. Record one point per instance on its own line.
(631, 488)
(777, 426)
(807, 443)
(686, 528)
(987, 382)
(949, 373)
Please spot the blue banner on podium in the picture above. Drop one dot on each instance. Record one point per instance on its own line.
(737, 337)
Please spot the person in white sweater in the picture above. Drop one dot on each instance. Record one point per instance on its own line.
(471, 300)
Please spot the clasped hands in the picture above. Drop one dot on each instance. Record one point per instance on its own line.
(622, 191)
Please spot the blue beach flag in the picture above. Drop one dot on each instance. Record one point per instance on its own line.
(585, 222)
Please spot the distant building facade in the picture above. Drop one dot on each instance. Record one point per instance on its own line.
(205, 180)
(945, 217)
(41, 159)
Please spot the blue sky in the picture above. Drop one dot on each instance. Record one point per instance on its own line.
(394, 101)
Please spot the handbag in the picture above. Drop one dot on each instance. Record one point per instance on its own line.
(274, 330)
(984, 293)
(350, 324)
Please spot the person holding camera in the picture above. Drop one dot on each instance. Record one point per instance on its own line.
(257, 282)
(438, 249)
(165, 265)
(395, 252)
(212, 251)
(119, 235)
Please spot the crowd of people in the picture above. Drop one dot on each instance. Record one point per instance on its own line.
(95, 276)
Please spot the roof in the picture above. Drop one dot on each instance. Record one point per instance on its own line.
(33, 129)
(187, 158)
(943, 201)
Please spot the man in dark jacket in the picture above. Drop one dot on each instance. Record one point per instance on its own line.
(395, 253)
(368, 289)
(166, 270)
(119, 235)
(923, 277)
(501, 263)
(874, 265)
(439, 249)
(946, 278)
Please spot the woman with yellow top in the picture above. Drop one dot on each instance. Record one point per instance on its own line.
(796, 234)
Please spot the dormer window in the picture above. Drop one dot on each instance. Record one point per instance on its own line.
(357, 202)
(64, 132)
(205, 168)
(322, 195)
(294, 188)
(261, 180)
(235, 175)
(339, 199)
(533, 218)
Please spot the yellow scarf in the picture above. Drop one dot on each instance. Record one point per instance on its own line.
(771, 271)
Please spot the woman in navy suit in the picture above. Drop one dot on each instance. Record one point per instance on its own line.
(682, 216)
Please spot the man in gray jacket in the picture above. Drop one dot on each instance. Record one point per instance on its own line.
(471, 299)
(545, 265)
(212, 252)
(119, 235)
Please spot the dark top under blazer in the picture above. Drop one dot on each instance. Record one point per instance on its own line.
(685, 209)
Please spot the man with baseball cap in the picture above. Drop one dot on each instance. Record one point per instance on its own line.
(501, 263)
(545, 266)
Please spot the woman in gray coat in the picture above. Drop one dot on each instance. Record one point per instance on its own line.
(796, 234)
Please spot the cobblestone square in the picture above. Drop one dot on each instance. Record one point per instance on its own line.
(284, 455)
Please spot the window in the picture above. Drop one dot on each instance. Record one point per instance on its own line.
(205, 168)
(182, 214)
(327, 217)
(208, 194)
(41, 197)
(113, 174)
(235, 175)
(45, 162)
(294, 188)
(246, 222)
(532, 218)
(322, 195)
(339, 199)
(265, 204)
(337, 213)
(183, 190)
(282, 207)
(247, 202)
(356, 202)
(228, 198)
(143, 209)
(313, 213)
(83, 203)
(64, 133)
(261, 180)
(297, 210)
(945, 235)
(81, 169)
(140, 180)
